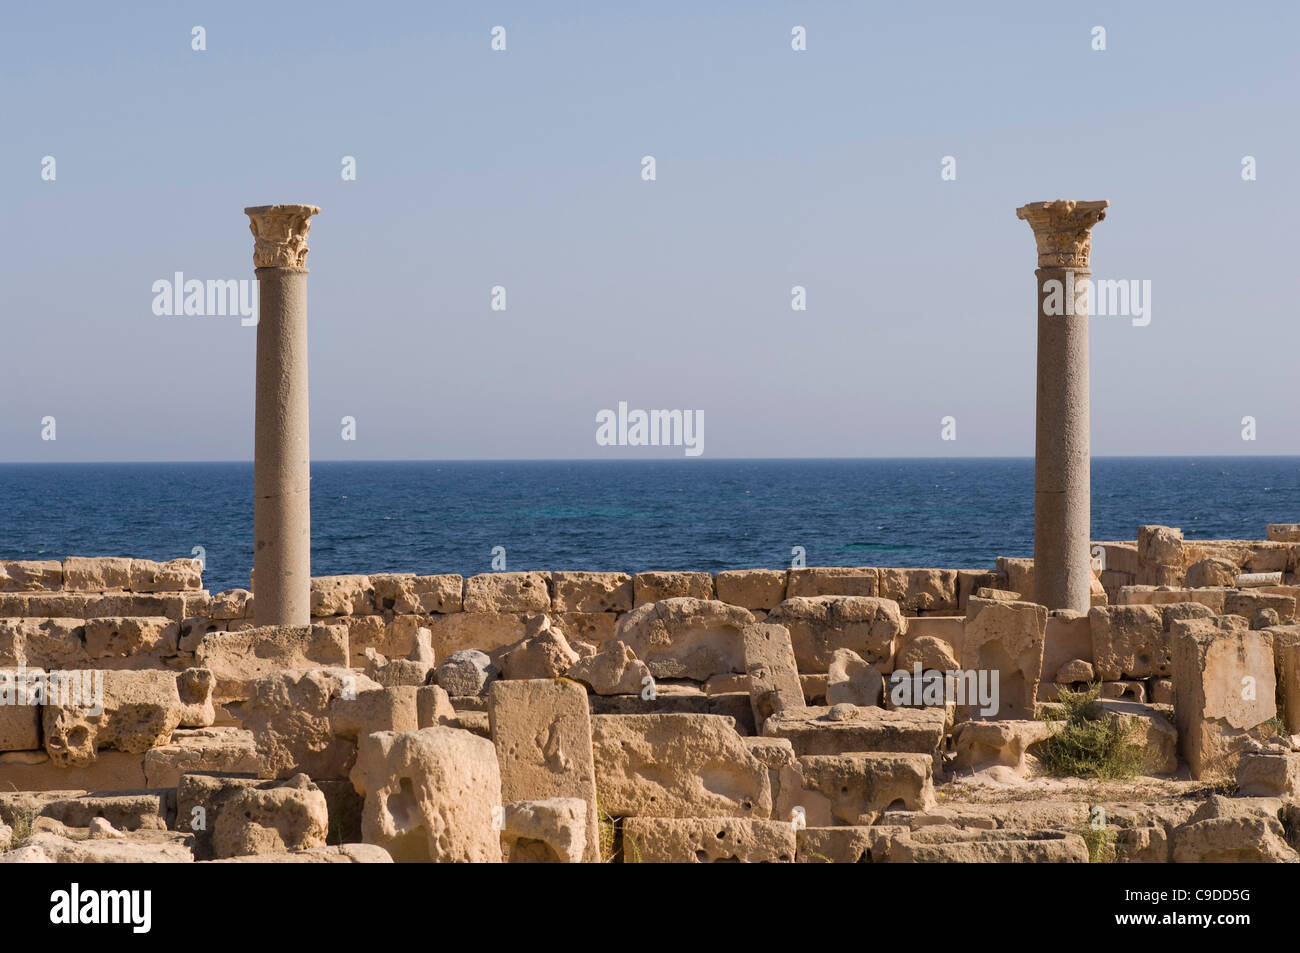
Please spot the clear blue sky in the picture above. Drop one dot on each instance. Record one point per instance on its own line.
(775, 168)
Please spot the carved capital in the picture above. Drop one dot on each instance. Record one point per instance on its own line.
(1063, 230)
(280, 234)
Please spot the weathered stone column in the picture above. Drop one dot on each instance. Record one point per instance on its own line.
(1062, 505)
(281, 461)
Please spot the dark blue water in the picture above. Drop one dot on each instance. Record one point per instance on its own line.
(705, 515)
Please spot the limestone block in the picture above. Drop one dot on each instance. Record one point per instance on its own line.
(933, 654)
(686, 637)
(238, 659)
(508, 592)
(490, 632)
(231, 604)
(920, 590)
(49, 848)
(1162, 691)
(940, 845)
(751, 588)
(1226, 689)
(821, 624)
(859, 786)
(1286, 661)
(770, 666)
(1007, 637)
(341, 595)
(1272, 772)
(844, 845)
(648, 587)
(43, 643)
(549, 831)
(129, 638)
(850, 680)
(409, 594)
(833, 581)
(1211, 571)
(594, 627)
(947, 628)
(1068, 636)
(1233, 830)
(1247, 604)
(970, 581)
(467, 672)
(1151, 728)
(431, 795)
(415, 669)
(174, 575)
(289, 714)
(543, 653)
(125, 711)
(134, 811)
(1019, 575)
(270, 819)
(20, 712)
(996, 595)
(842, 729)
(391, 708)
(97, 574)
(336, 854)
(592, 592)
(677, 765)
(542, 730)
(984, 744)
(29, 575)
(663, 840)
(1129, 640)
(1075, 671)
(1160, 556)
(434, 707)
(615, 670)
(218, 750)
(369, 632)
(37, 771)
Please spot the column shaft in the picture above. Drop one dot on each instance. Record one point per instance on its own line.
(1062, 465)
(281, 458)
(1062, 506)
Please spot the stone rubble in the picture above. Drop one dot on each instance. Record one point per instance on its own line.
(800, 716)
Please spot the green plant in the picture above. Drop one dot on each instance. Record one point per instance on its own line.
(1092, 743)
(1101, 843)
(631, 855)
(605, 824)
(1274, 726)
(22, 827)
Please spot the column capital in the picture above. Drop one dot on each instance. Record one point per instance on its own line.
(280, 234)
(1063, 230)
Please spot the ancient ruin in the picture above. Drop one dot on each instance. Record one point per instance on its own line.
(1131, 701)
(755, 715)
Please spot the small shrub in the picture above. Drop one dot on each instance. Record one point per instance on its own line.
(1101, 843)
(1099, 747)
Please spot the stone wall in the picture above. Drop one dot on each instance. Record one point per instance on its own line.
(678, 716)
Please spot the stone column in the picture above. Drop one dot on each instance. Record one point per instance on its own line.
(1062, 506)
(281, 461)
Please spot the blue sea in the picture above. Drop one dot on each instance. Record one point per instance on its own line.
(430, 517)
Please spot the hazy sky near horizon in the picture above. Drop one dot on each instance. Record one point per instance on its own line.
(523, 169)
